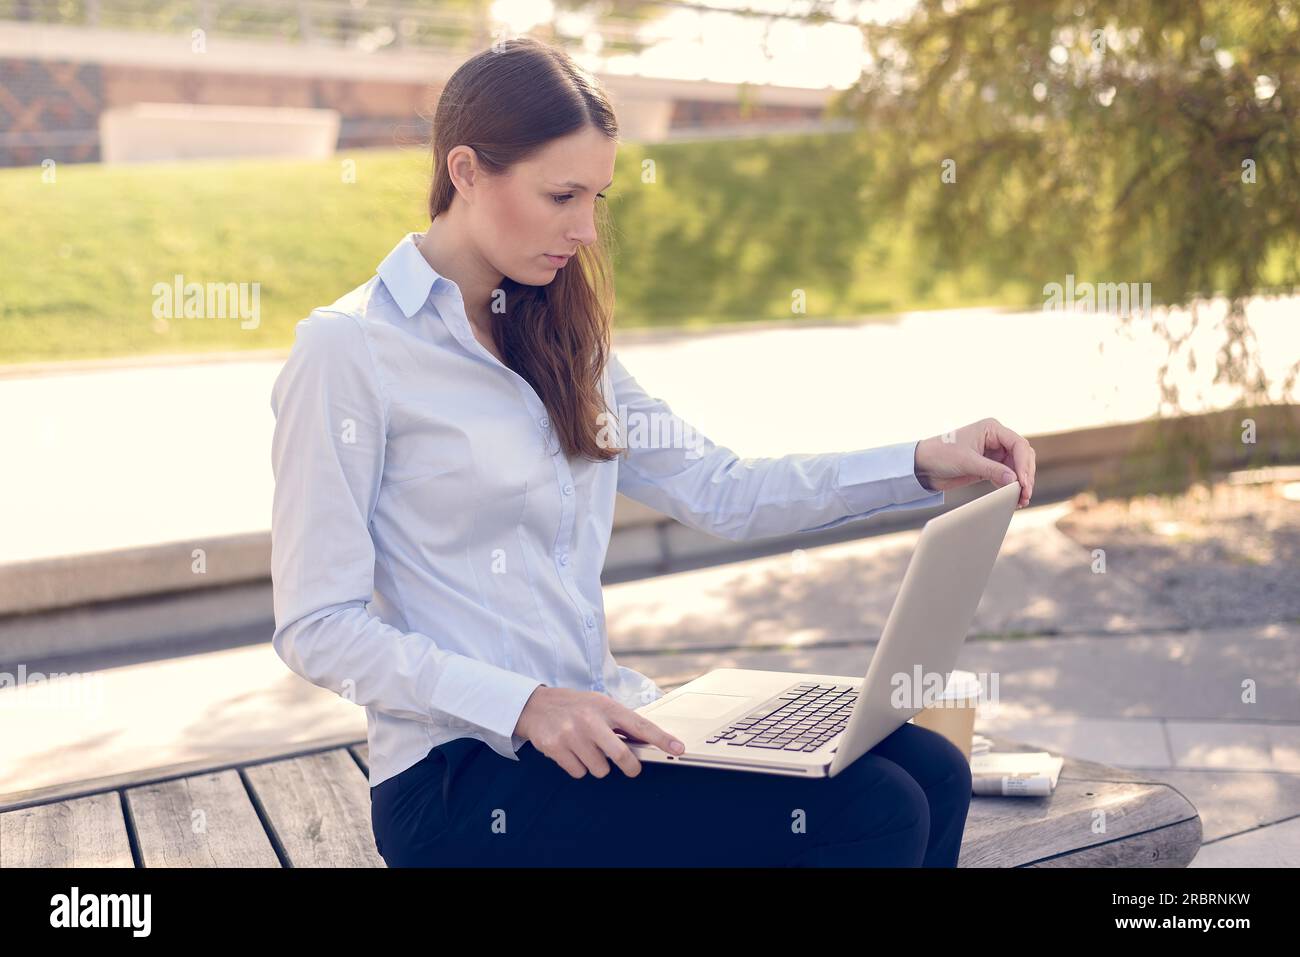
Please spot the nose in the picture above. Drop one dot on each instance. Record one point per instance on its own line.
(584, 233)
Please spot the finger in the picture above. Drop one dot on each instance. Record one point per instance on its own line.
(1019, 448)
(592, 756)
(618, 752)
(585, 743)
(643, 729)
(569, 761)
(986, 468)
(1006, 457)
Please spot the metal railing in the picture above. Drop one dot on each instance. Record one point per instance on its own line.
(365, 25)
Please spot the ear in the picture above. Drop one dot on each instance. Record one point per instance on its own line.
(462, 167)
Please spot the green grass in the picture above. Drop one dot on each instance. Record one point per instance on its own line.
(725, 233)
(80, 259)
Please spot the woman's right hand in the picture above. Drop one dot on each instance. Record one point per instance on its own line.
(575, 729)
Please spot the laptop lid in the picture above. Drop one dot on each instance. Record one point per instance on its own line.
(932, 613)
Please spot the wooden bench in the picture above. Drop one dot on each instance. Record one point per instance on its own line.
(312, 809)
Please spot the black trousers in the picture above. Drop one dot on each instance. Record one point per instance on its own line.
(902, 804)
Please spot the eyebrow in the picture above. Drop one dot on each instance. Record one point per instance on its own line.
(572, 185)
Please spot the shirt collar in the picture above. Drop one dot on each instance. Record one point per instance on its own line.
(408, 276)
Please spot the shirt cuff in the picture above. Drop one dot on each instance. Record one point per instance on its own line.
(486, 698)
(872, 478)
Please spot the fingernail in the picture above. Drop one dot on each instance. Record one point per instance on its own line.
(678, 747)
(1008, 477)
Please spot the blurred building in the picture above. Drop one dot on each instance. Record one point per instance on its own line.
(82, 83)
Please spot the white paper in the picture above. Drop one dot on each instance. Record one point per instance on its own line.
(1015, 774)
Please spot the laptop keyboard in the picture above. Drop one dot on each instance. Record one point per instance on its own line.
(802, 718)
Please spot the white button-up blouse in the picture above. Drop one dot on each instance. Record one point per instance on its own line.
(435, 555)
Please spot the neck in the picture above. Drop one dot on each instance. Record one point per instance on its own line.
(446, 248)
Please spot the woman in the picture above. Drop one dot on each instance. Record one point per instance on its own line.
(447, 449)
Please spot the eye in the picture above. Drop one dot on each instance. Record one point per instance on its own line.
(561, 200)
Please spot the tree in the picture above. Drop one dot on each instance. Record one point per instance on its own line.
(1145, 139)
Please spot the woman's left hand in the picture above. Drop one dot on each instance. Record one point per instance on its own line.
(986, 449)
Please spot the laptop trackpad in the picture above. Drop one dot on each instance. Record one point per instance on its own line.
(693, 704)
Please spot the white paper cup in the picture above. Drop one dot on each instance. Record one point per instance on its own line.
(953, 713)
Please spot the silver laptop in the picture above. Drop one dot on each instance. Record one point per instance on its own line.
(782, 722)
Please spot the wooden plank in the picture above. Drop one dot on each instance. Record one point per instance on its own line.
(86, 832)
(318, 807)
(126, 779)
(1173, 846)
(1146, 823)
(206, 820)
(1014, 831)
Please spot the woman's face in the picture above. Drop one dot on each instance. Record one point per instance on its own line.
(536, 209)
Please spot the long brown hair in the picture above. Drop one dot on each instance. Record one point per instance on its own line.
(507, 103)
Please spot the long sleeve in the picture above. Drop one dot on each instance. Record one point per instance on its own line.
(327, 455)
(676, 470)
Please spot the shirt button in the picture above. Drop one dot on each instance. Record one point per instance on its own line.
(564, 559)
(544, 421)
(568, 490)
(591, 622)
